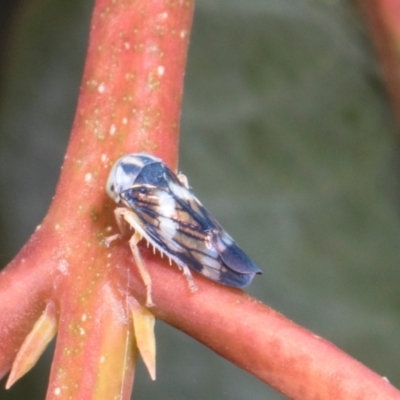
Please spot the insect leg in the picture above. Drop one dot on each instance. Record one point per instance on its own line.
(109, 239)
(184, 180)
(144, 273)
(189, 277)
(120, 216)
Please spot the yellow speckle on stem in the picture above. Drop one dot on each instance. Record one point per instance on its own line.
(152, 81)
(130, 76)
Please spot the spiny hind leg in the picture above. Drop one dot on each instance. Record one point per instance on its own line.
(144, 273)
(125, 221)
(186, 272)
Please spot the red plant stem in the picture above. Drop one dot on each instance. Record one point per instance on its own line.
(383, 17)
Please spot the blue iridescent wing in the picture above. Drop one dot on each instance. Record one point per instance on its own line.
(177, 224)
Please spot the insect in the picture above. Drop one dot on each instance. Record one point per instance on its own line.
(161, 208)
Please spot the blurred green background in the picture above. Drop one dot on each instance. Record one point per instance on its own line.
(287, 137)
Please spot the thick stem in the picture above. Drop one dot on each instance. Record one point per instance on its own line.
(130, 101)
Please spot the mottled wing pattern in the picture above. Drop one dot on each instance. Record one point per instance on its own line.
(178, 225)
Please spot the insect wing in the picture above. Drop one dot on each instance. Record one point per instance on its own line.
(178, 224)
(234, 257)
(233, 266)
(174, 227)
